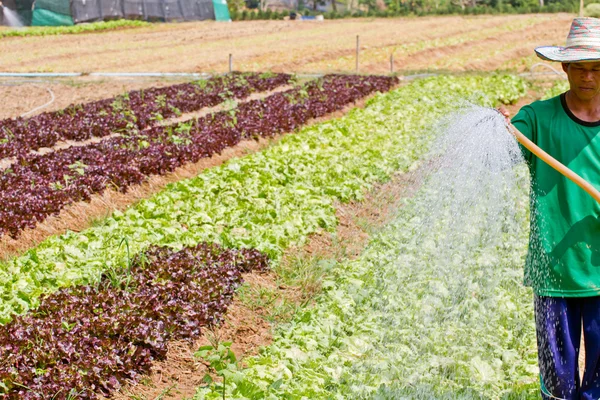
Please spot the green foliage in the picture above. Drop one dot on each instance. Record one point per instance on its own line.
(221, 361)
(235, 6)
(592, 10)
(559, 86)
(269, 200)
(65, 30)
(389, 325)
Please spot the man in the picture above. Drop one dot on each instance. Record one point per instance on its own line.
(563, 261)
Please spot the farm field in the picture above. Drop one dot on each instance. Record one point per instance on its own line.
(269, 201)
(253, 235)
(481, 43)
(450, 43)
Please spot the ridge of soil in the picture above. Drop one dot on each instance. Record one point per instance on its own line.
(256, 45)
(21, 96)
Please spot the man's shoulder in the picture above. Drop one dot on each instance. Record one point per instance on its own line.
(547, 104)
(542, 107)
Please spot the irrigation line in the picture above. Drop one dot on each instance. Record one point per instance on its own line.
(43, 105)
(151, 74)
(38, 74)
(20, 82)
(551, 68)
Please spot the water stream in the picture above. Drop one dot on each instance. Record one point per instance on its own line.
(452, 317)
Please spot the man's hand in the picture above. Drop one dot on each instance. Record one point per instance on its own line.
(504, 112)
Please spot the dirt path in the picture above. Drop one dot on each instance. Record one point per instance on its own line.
(20, 96)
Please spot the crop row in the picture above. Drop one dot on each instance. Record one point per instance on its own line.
(73, 29)
(269, 200)
(423, 313)
(88, 339)
(409, 319)
(135, 110)
(41, 185)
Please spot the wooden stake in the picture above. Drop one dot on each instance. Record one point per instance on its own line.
(230, 63)
(357, 51)
(392, 63)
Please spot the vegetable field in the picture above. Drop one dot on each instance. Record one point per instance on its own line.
(268, 240)
(453, 43)
(88, 314)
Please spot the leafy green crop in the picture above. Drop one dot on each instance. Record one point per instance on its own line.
(64, 30)
(269, 200)
(390, 326)
(558, 87)
(403, 322)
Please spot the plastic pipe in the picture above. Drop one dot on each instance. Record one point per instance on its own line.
(554, 163)
(38, 74)
(157, 74)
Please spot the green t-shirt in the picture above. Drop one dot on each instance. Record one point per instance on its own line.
(564, 246)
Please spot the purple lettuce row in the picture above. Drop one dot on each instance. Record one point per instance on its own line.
(87, 340)
(39, 186)
(136, 110)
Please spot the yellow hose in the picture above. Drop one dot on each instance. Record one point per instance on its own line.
(554, 163)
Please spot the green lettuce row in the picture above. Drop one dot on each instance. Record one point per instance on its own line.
(558, 87)
(64, 30)
(389, 325)
(270, 200)
(401, 322)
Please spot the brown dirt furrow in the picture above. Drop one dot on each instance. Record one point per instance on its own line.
(7, 162)
(427, 58)
(428, 31)
(224, 107)
(117, 48)
(256, 45)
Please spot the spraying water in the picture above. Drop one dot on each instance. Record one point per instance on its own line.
(11, 18)
(452, 317)
(471, 186)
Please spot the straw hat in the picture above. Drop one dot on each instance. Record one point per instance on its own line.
(583, 43)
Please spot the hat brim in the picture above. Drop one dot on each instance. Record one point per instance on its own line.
(565, 54)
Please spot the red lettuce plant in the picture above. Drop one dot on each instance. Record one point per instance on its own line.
(136, 110)
(38, 186)
(86, 340)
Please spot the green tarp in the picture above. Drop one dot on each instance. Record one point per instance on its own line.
(221, 10)
(52, 13)
(42, 17)
(56, 6)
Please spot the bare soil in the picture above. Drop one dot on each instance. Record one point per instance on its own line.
(288, 46)
(21, 96)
